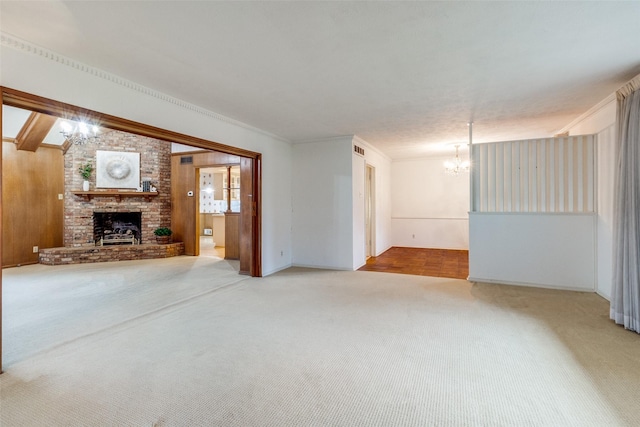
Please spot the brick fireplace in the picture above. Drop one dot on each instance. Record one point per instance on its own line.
(117, 216)
(155, 165)
(117, 228)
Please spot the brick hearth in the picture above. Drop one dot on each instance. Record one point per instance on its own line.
(85, 254)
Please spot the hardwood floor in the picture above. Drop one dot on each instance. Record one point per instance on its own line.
(421, 262)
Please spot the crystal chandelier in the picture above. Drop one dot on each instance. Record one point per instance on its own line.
(456, 165)
(79, 134)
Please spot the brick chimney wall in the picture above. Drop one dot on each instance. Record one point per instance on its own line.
(155, 163)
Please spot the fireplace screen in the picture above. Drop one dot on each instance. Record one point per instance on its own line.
(117, 228)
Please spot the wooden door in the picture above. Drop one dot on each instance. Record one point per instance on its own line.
(247, 213)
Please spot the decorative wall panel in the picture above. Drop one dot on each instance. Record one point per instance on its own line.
(538, 175)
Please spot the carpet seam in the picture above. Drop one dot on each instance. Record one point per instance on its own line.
(118, 325)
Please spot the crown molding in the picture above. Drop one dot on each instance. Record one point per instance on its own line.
(344, 138)
(15, 43)
(353, 139)
(600, 105)
(590, 112)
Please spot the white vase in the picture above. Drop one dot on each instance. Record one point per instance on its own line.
(85, 185)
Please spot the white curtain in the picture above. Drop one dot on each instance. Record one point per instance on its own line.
(625, 295)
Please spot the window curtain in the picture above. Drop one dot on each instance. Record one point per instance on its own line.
(625, 294)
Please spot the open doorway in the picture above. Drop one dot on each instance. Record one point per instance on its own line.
(245, 223)
(219, 189)
(369, 210)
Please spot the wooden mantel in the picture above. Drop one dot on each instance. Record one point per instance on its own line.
(117, 194)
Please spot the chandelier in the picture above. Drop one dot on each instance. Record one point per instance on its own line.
(456, 165)
(79, 134)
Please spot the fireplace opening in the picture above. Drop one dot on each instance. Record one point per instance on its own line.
(117, 228)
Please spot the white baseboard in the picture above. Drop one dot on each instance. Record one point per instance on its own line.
(530, 285)
(321, 267)
(605, 296)
(269, 273)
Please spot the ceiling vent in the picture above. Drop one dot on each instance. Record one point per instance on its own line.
(358, 150)
(186, 160)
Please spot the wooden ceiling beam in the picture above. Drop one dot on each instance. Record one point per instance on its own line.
(19, 99)
(34, 131)
(65, 146)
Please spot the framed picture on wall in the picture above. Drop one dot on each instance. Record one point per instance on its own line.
(116, 169)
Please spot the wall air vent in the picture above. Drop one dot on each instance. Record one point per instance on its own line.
(358, 150)
(186, 160)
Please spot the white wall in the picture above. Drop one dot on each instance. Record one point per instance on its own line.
(429, 209)
(358, 170)
(329, 203)
(322, 194)
(277, 250)
(600, 120)
(605, 162)
(539, 249)
(34, 70)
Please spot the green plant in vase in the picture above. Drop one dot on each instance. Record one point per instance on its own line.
(85, 171)
(163, 235)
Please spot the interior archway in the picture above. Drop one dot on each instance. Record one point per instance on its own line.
(250, 166)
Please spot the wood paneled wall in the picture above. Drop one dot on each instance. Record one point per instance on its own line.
(32, 213)
(1, 231)
(206, 221)
(231, 235)
(183, 207)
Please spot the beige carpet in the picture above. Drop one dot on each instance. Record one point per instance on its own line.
(45, 306)
(316, 348)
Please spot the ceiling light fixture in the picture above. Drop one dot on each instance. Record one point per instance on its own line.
(456, 165)
(79, 134)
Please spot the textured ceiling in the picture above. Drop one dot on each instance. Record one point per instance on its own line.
(404, 76)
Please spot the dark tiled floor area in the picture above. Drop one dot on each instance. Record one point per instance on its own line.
(421, 262)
